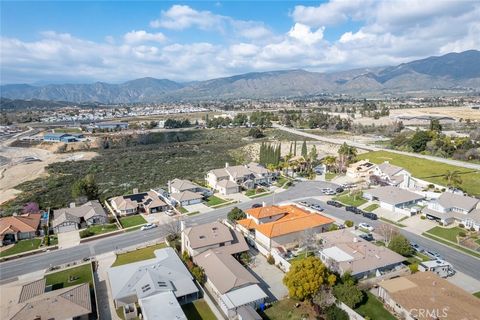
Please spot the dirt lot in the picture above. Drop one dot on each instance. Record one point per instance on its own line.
(17, 170)
(454, 112)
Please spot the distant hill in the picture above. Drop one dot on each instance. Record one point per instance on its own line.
(459, 71)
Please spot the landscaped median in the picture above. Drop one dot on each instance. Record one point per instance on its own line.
(449, 237)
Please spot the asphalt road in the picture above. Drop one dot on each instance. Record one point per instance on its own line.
(42, 261)
(373, 148)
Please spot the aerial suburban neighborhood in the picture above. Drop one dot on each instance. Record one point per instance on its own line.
(240, 160)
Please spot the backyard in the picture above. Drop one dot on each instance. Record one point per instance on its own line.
(373, 309)
(70, 277)
(286, 310)
(137, 255)
(198, 309)
(350, 199)
(427, 170)
(22, 246)
(132, 221)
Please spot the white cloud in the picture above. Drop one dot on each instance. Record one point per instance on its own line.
(304, 34)
(180, 17)
(143, 36)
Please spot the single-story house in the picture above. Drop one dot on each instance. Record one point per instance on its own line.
(148, 202)
(18, 227)
(394, 199)
(74, 218)
(281, 225)
(153, 283)
(343, 251)
(36, 302)
(424, 295)
(186, 198)
(59, 137)
(450, 207)
(198, 239)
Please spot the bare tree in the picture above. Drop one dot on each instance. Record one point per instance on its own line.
(387, 231)
(171, 228)
(308, 240)
(324, 298)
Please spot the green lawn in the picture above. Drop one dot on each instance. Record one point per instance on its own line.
(193, 213)
(456, 246)
(374, 309)
(214, 201)
(198, 310)
(350, 200)
(182, 210)
(70, 277)
(285, 310)
(301, 256)
(428, 170)
(281, 180)
(22, 246)
(371, 207)
(132, 221)
(477, 294)
(478, 241)
(330, 175)
(392, 222)
(446, 233)
(98, 229)
(137, 255)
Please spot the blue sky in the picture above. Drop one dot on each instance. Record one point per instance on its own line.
(115, 41)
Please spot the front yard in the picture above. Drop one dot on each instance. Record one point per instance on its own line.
(132, 221)
(350, 199)
(70, 277)
(214, 201)
(22, 246)
(198, 310)
(329, 176)
(373, 309)
(286, 309)
(97, 229)
(372, 207)
(449, 234)
(137, 255)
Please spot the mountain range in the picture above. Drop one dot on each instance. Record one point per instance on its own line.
(453, 71)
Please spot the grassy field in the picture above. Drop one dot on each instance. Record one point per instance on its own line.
(214, 201)
(372, 207)
(198, 310)
(427, 170)
(22, 246)
(137, 255)
(374, 309)
(449, 234)
(70, 277)
(132, 221)
(98, 229)
(350, 200)
(285, 310)
(477, 294)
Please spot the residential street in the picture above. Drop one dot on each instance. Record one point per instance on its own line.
(10, 269)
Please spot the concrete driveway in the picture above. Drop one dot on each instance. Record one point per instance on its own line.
(270, 277)
(200, 207)
(68, 239)
(240, 197)
(416, 225)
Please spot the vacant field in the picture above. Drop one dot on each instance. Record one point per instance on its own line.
(198, 310)
(431, 171)
(21, 246)
(137, 255)
(454, 112)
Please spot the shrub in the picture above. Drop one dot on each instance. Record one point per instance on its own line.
(472, 229)
(86, 233)
(400, 245)
(348, 293)
(413, 267)
(461, 225)
(335, 313)
(431, 186)
(270, 259)
(462, 234)
(333, 227)
(236, 214)
(198, 274)
(349, 223)
(423, 217)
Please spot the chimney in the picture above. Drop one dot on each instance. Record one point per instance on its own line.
(72, 205)
(226, 165)
(135, 190)
(264, 204)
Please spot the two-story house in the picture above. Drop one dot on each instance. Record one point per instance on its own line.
(388, 174)
(450, 207)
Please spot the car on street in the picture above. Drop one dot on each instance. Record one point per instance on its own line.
(304, 203)
(367, 237)
(370, 215)
(339, 190)
(334, 203)
(366, 226)
(148, 226)
(353, 209)
(317, 207)
(256, 205)
(329, 192)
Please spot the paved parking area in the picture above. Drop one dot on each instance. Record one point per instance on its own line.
(68, 239)
(270, 277)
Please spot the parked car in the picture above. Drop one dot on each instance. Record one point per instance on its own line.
(334, 203)
(329, 192)
(256, 205)
(317, 207)
(367, 237)
(148, 226)
(416, 247)
(370, 215)
(170, 213)
(351, 209)
(304, 203)
(366, 226)
(339, 190)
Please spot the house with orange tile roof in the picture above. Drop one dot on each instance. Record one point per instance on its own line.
(276, 226)
(20, 227)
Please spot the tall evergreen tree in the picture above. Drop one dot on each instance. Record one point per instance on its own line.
(304, 150)
(291, 148)
(295, 148)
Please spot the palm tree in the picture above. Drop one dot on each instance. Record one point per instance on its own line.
(330, 162)
(452, 177)
(346, 155)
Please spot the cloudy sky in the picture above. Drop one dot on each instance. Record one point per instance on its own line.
(78, 41)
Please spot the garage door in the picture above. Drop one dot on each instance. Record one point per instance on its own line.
(67, 228)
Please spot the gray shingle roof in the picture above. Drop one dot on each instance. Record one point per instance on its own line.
(449, 200)
(393, 195)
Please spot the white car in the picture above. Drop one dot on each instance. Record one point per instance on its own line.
(148, 226)
(366, 226)
(170, 213)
